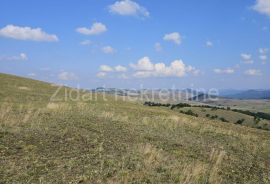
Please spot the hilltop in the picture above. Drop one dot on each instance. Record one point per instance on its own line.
(101, 139)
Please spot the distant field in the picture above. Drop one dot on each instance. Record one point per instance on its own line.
(108, 141)
(227, 115)
(252, 105)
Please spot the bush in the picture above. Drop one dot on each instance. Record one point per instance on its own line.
(189, 112)
(240, 121)
(223, 119)
(214, 117)
(214, 108)
(156, 104)
(207, 115)
(180, 105)
(257, 114)
(256, 119)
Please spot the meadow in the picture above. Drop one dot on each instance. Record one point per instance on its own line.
(103, 140)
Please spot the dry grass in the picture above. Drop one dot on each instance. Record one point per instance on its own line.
(120, 142)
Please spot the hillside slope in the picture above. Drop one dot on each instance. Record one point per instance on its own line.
(114, 141)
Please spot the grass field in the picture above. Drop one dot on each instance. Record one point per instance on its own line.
(227, 116)
(109, 141)
(251, 105)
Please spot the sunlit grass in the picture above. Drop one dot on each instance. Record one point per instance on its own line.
(99, 141)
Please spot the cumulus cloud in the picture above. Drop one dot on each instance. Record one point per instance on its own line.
(120, 68)
(67, 76)
(253, 72)
(128, 8)
(27, 33)
(263, 57)
(246, 58)
(20, 57)
(96, 29)
(145, 68)
(158, 47)
(263, 50)
(143, 64)
(106, 68)
(209, 44)
(224, 71)
(262, 6)
(108, 50)
(101, 74)
(173, 37)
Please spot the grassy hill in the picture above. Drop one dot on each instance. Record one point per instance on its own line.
(114, 141)
(228, 116)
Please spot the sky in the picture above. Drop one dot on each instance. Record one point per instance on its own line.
(138, 44)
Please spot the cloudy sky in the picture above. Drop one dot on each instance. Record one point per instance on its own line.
(134, 43)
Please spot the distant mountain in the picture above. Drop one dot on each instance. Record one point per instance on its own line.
(228, 92)
(205, 97)
(251, 94)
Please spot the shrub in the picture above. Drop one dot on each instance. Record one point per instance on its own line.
(258, 114)
(180, 105)
(240, 121)
(214, 117)
(223, 119)
(189, 112)
(156, 104)
(256, 119)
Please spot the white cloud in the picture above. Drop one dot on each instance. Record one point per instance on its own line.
(158, 47)
(263, 57)
(143, 64)
(128, 8)
(262, 6)
(101, 74)
(209, 44)
(263, 50)
(23, 56)
(66, 76)
(224, 71)
(27, 33)
(108, 50)
(145, 68)
(246, 58)
(85, 42)
(96, 29)
(120, 68)
(20, 57)
(253, 72)
(106, 68)
(173, 37)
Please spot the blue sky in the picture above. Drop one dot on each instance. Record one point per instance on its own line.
(129, 44)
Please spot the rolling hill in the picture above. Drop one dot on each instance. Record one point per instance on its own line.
(250, 94)
(91, 138)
